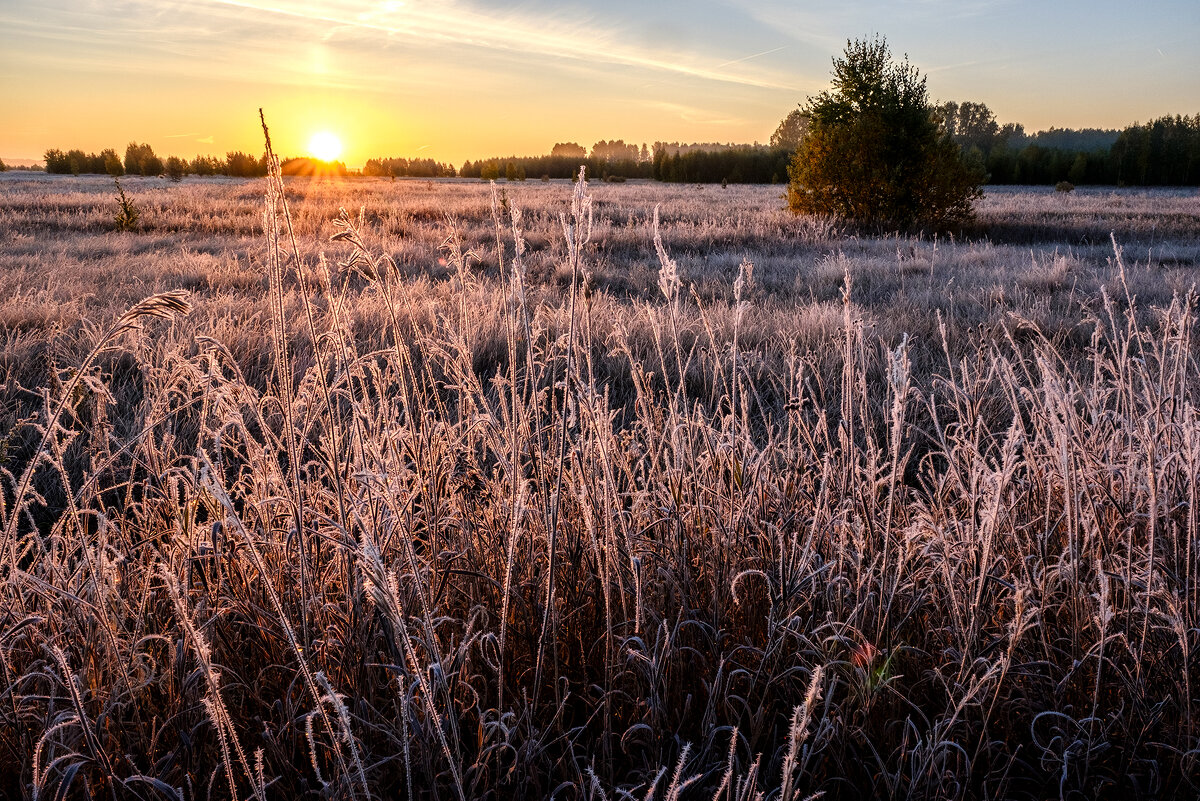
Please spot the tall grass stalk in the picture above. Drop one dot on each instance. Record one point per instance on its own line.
(378, 525)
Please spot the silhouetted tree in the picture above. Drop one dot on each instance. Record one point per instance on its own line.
(56, 161)
(412, 168)
(875, 153)
(112, 163)
(791, 130)
(490, 171)
(243, 165)
(140, 160)
(76, 162)
(568, 150)
(175, 168)
(616, 150)
(969, 124)
(205, 165)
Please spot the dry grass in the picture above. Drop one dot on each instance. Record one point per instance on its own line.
(506, 501)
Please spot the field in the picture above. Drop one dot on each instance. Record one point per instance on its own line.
(535, 494)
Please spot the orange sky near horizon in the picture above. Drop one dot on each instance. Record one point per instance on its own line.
(459, 79)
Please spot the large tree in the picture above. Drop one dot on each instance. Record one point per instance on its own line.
(569, 150)
(970, 124)
(791, 130)
(875, 154)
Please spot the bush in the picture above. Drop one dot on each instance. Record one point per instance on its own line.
(176, 168)
(127, 213)
(1064, 187)
(875, 155)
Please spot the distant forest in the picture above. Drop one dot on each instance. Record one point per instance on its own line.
(665, 161)
(1163, 152)
(140, 159)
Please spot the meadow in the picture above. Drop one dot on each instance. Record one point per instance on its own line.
(438, 489)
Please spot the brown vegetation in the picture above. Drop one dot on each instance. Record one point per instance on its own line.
(645, 490)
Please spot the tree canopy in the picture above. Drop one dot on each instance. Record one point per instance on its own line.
(875, 153)
(791, 130)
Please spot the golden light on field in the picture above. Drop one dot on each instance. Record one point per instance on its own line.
(325, 145)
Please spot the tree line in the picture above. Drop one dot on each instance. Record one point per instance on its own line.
(140, 159)
(407, 168)
(607, 160)
(739, 164)
(664, 161)
(1162, 152)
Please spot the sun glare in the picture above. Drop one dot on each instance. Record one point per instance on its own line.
(325, 146)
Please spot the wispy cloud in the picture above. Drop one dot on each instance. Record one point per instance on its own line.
(453, 23)
(695, 115)
(753, 56)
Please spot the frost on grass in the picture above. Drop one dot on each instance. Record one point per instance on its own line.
(765, 512)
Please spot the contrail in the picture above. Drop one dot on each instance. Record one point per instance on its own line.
(756, 55)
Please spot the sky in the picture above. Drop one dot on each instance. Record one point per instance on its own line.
(459, 79)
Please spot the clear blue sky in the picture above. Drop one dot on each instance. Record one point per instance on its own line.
(455, 79)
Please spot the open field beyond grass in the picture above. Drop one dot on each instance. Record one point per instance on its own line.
(469, 498)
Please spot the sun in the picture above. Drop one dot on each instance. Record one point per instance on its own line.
(325, 146)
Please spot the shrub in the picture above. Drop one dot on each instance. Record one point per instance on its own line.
(875, 154)
(3, 166)
(175, 168)
(1064, 187)
(127, 213)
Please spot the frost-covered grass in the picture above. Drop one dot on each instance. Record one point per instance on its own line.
(458, 503)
